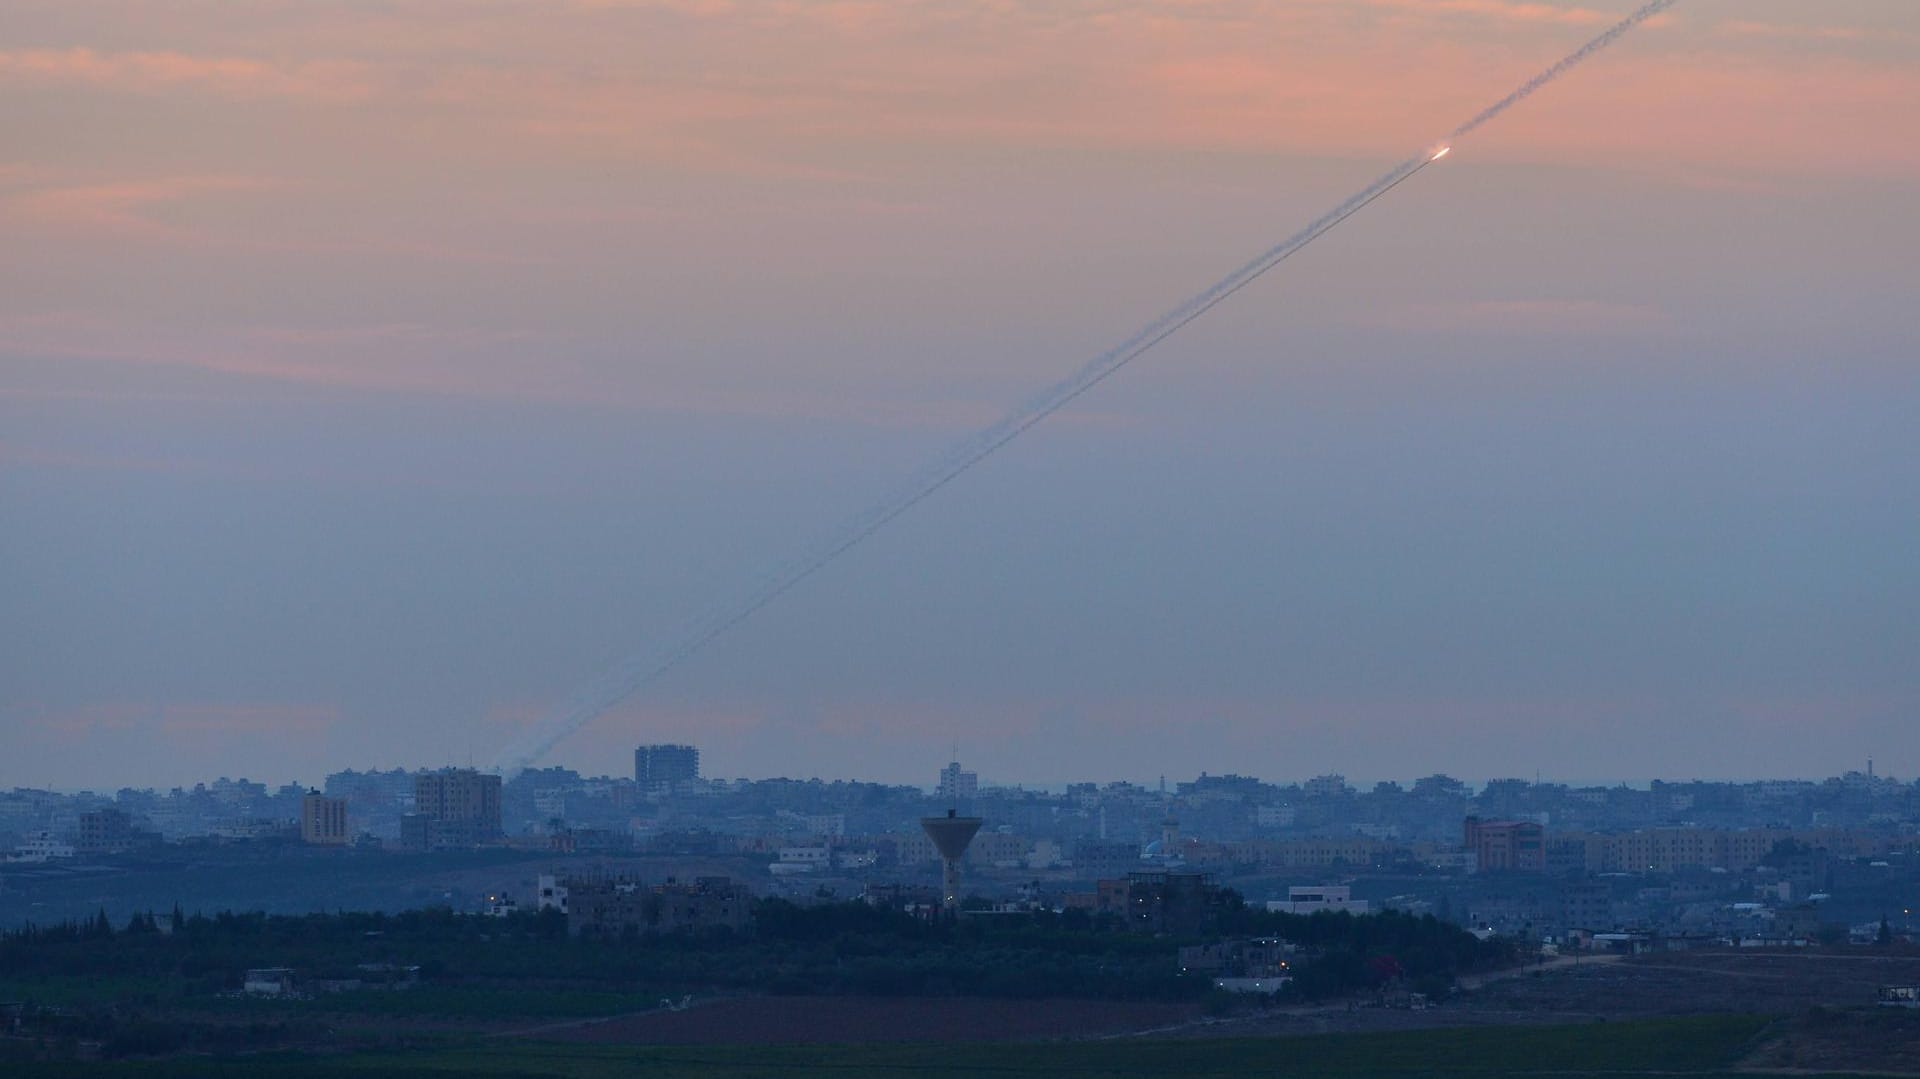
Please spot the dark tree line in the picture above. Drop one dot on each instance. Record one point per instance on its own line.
(834, 948)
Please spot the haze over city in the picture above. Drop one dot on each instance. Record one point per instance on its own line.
(370, 378)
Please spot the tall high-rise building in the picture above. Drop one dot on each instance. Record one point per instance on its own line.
(665, 764)
(323, 820)
(958, 787)
(462, 805)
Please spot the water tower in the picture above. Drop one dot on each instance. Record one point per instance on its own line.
(950, 835)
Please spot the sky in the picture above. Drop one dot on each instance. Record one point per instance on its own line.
(372, 375)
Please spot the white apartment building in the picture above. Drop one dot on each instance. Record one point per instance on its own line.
(41, 847)
(1312, 899)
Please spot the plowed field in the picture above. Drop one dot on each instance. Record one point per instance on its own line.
(842, 1020)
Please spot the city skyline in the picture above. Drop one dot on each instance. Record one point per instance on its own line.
(1359, 783)
(370, 378)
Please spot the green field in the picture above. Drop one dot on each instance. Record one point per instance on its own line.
(1693, 1046)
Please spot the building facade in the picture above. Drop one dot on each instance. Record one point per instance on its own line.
(453, 808)
(105, 831)
(323, 820)
(957, 787)
(667, 764)
(1160, 902)
(617, 906)
(1312, 899)
(1506, 845)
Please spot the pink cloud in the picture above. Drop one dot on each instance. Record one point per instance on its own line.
(153, 72)
(1308, 77)
(109, 743)
(122, 207)
(1786, 32)
(1502, 9)
(197, 721)
(753, 89)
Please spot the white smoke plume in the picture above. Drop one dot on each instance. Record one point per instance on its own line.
(627, 678)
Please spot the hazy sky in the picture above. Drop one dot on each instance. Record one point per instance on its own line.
(372, 374)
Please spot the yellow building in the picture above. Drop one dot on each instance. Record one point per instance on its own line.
(323, 820)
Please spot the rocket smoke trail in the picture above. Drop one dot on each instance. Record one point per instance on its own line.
(622, 681)
(1613, 34)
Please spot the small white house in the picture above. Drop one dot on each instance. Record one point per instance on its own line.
(268, 982)
(41, 847)
(801, 860)
(1900, 996)
(1312, 899)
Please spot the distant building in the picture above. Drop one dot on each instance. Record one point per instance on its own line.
(454, 808)
(553, 894)
(1312, 899)
(419, 832)
(1346, 852)
(913, 848)
(605, 906)
(1280, 816)
(1001, 849)
(1900, 996)
(1160, 901)
(1586, 905)
(801, 860)
(1241, 966)
(105, 831)
(416, 832)
(705, 903)
(1327, 786)
(323, 820)
(912, 898)
(41, 847)
(1101, 860)
(957, 787)
(458, 794)
(613, 906)
(1668, 850)
(268, 982)
(1506, 845)
(589, 840)
(665, 764)
(830, 825)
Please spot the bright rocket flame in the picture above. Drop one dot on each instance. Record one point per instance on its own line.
(1440, 153)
